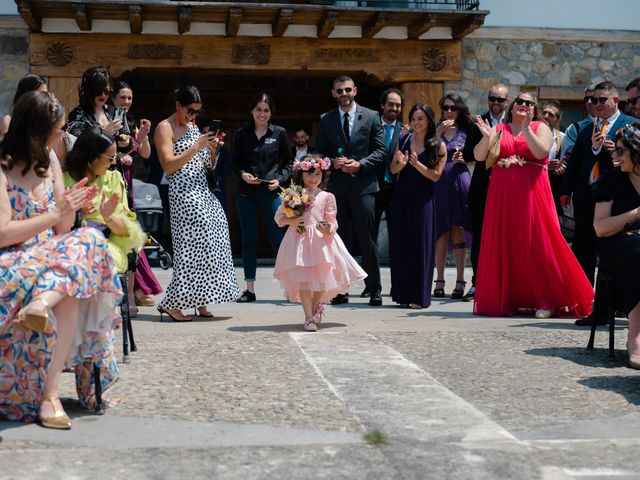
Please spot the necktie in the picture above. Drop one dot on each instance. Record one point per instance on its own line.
(345, 127)
(388, 131)
(595, 172)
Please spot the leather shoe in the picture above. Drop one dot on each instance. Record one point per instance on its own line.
(376, 299)
(588, 321)
(340, 299)
(365, 293)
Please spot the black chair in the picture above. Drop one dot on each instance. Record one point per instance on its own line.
(604, 281)
(127, 328)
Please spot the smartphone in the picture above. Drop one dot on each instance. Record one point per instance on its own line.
(119, 114)
(215, 126)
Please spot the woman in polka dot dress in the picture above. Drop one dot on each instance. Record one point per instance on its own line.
(202, 264)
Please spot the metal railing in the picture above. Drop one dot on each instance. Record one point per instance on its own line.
(411, 4)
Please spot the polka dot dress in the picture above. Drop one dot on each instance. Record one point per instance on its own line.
(203, 270)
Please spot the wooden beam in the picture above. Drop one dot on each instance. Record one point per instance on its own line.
(34, 23)
(135, 19)
(328, 23)
(233, 22)
(82, 17)
(376, 23)
(420, 26)
(281, 22)
(466, 26)
(184, 19)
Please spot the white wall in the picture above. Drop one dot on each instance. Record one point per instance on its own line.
(579, 14)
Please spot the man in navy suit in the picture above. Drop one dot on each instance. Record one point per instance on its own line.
(591, 156)
(354, 138)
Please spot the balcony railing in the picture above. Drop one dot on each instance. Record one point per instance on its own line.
(410, 4)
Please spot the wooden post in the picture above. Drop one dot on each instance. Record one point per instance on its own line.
(421, 92)
(66, 89)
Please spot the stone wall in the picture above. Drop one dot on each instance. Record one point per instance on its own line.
(530, 64)
(14, 61)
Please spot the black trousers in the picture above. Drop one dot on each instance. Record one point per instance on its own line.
(477, 203)
(585, 242)
(383, 205)
(356, 221)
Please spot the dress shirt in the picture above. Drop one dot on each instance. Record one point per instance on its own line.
(612, 119)
(352, 116)
(496, 121)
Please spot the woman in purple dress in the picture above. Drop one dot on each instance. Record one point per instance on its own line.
(451, 193)
(418, 163)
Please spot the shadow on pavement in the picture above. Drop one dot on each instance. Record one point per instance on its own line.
(292, 327)
(628, 387)
(568, 324)
(196, 319)
(598, 358)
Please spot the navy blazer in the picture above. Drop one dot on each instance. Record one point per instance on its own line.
(366, 145)
(581, 161)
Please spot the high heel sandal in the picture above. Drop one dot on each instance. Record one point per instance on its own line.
(458, 292)
(206, 314)
(164, 310)
(144, 300)
(438, 292)
(32, 318)
(60, 419)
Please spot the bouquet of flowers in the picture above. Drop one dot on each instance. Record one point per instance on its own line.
(295, 200)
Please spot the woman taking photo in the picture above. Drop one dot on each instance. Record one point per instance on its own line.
(418, 163)
(203, 271)
(525, 263)
(263, 161)
(617, 224)
(58, 288)
(451, 193)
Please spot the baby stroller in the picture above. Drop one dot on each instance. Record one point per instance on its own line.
(148, 208)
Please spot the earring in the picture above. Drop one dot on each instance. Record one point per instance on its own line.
(177, 113)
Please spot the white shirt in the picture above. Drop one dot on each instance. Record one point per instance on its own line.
(496, 121)
(612, 119)
(300, 153)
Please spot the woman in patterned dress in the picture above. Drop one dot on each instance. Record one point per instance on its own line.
(58, 289)
(202, 264)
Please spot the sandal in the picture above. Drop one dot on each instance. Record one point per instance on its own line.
(144, 300)
(458, 292)
(32, 318)
(438, 292)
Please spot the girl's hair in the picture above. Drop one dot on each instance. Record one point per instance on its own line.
(430, 139)
(630, 136)
(94, 82)
(464, 116)
(34, 116)
(92, 142)
(186, 95)
(297, 176)
(119, 85)
(536, 111)
(262, 97)
(28, 83)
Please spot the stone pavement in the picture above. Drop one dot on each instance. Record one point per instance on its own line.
(249, 395)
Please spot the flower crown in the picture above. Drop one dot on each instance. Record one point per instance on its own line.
(307, 164)
(631, 133)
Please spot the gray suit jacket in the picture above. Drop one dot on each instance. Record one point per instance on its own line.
(366, 145)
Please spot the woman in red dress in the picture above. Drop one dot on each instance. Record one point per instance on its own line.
(525, 264)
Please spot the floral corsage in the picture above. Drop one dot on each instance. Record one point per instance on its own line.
(513, 160)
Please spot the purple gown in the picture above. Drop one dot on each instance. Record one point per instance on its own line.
(451, 192)
(412, 235)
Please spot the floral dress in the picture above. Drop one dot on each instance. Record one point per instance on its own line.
(77, 264)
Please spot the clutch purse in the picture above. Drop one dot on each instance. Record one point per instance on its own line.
(494, 150)
(212, 180)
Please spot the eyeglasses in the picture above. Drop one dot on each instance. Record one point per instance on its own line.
(595, 100)
(111, 158)
(522, 101)
(633, 100)
(340, 91)
(620, 151)
(497, 99)
(193, 111)
(449, 108)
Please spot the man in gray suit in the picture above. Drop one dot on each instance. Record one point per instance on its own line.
(353, 137)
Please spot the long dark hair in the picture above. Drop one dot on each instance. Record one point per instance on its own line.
(464, 116)
(94, 81)
(431, 141)
(33, 119)
(28, 83)
(261, 97)
(93, 141)
(630, 136)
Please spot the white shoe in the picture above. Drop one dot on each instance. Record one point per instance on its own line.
(309, 326)
(542, 313)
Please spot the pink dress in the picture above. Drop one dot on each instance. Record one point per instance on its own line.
(525, 262)
(313, 261)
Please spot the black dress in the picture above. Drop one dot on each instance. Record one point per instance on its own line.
(412, 233)
(620, 253)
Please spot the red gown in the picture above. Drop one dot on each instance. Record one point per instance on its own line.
(525, 263)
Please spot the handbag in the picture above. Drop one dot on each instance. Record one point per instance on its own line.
(212, 180)
(494, 150)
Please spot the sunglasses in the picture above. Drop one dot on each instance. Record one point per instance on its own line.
(449, 108)
(596, 100)
(633, 100)
(111, 158)
(106, 91)
(522, 101)
(193, 111)
(340, 91)
(497, 99)
(620, 151)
